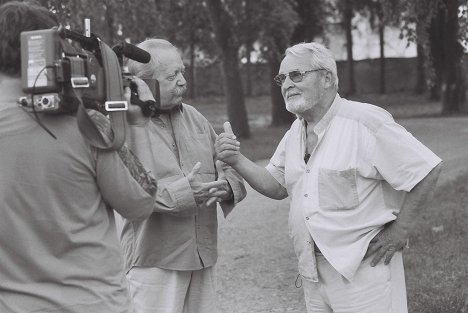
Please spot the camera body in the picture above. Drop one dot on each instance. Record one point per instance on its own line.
(61, 68)
(56, 73)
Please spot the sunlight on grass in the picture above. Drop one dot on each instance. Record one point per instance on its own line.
(436, 264)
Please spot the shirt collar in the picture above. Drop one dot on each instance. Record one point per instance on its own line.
(322, 125)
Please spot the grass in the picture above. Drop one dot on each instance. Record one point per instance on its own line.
(436, 264)
(264, 139)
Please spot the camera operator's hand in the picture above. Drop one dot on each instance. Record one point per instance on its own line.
(144, 92)
(134, 113)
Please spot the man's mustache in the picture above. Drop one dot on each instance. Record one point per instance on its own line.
(180, 91)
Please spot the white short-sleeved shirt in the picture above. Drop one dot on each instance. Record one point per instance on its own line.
(357, 176)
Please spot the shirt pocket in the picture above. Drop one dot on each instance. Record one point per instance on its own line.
(337, 189)
(201, 148)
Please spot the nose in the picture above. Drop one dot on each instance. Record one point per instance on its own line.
(181, 80)
(288, 83)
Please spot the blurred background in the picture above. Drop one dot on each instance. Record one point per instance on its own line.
(407, 56)
(232, 48)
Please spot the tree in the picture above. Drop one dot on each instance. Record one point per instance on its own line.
(347, 10)
(266, 22)
(189, 32)
(248, 37)
(440, 34)
(223, 23)
(112, 20)
(377, 20)
(311, 20)
(277, 28)
(348, 14)
(287, 22)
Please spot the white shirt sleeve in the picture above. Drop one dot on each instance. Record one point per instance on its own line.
(277, 161)
(400, 158)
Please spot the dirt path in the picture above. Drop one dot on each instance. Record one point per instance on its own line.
(257, 266)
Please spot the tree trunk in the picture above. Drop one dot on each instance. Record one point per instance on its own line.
(248, 70)
(279, 114)
(110, 22)
(421, 77)
(382, 53)
(436, 44)
(191, 69)
(237, 113)
(348, 16)
(222, 26)
(452, 78)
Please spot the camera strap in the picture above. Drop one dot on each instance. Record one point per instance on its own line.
(118, 118)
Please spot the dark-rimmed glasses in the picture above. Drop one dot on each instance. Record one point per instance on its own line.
(295, 76)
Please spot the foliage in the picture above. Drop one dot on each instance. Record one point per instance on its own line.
(112, 20)
(186, 24)
(310, 21)
(276, 27)
(439, 26)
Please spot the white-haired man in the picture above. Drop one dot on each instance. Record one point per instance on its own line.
(169, 257)
(356, 180)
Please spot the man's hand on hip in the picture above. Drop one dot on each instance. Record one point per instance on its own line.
(204, 191)
(227, 147)
(384, 245)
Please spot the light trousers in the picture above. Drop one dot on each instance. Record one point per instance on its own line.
(155, 290)
(379, 289)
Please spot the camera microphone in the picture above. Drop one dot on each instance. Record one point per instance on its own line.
(132, 52)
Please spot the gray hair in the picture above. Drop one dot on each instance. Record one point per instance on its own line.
(153, 46)
(320, 57)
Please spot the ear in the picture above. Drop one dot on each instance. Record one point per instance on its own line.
(328, 79)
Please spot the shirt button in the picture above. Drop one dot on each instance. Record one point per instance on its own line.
(307, 171)
(307, 218)
(306, 195)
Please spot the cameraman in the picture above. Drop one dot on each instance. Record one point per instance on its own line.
(58, 246)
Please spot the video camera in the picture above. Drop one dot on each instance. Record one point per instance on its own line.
(63, 71)
(57, 73)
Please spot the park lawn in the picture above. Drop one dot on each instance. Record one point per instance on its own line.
(436, 263)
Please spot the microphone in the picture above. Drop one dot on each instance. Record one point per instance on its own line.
(89, 43)
(132, 52)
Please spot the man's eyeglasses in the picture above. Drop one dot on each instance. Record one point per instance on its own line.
(295, 76)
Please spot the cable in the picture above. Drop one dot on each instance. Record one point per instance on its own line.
(37, 119)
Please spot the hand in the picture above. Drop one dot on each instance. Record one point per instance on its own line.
(134, 113)
(221, 176)
(143, 90)
(204, 191)
(390, 240)
(226, 146)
